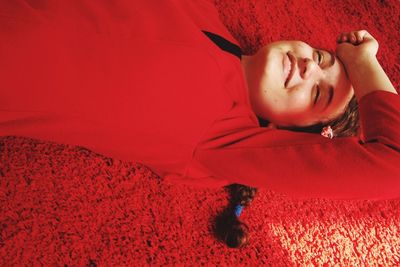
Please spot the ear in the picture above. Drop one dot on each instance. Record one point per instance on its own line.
(272, 126)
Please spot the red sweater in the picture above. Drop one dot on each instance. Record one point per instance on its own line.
(139, 81)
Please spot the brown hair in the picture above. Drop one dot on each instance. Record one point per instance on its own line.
(229, 228)
(235, 232)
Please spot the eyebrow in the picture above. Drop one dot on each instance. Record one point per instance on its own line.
(333, 59)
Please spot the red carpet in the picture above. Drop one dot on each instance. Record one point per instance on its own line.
(66, 206)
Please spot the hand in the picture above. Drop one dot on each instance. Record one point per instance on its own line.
(356, 47)
(357, 50)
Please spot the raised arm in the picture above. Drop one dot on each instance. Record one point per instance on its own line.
(303, 165)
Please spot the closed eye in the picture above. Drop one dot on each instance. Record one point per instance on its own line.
(317, 95)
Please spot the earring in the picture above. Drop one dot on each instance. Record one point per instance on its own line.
(327, 132)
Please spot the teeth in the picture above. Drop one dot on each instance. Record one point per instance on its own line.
(290, 69)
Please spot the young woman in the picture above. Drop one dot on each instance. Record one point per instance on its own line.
(165, 84)
(358, 52)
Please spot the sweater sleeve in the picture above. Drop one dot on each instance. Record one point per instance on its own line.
(303, 165)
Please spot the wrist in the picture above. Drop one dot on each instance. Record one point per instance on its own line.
(361, 63)
(367, 75)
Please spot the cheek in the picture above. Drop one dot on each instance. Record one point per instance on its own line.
(281, 102)
(272, 102)
(272, 94)
(297, 101)
(269, 105)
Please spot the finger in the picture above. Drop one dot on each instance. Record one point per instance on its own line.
(339, 38)
(359, 36)
(342, 37)
(342, 45)
(366, 35)
(352, 38)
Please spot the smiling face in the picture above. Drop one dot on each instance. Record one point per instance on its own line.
(293, 84)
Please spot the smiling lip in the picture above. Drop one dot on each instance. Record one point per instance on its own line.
(291, 61)
(286, 68)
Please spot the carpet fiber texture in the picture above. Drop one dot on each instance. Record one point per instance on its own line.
(63, 205)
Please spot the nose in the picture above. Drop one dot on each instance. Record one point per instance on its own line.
(309, 69)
